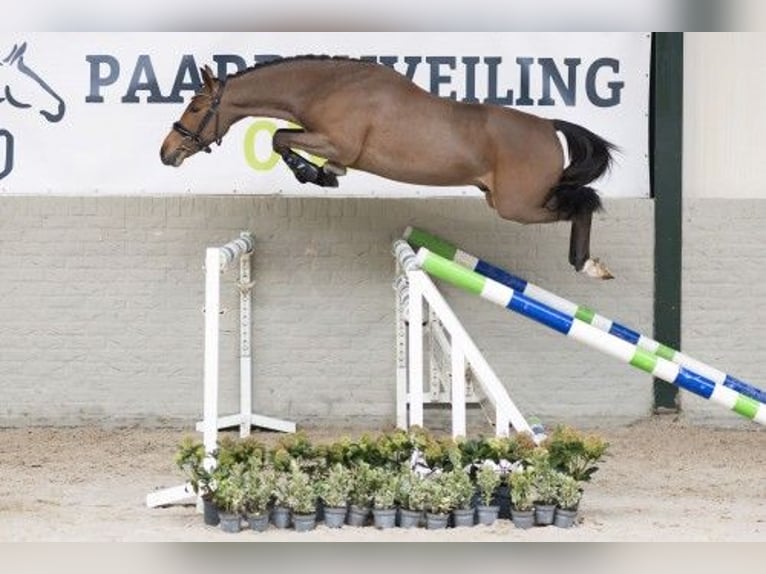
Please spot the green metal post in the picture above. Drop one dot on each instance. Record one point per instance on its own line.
(666, 161)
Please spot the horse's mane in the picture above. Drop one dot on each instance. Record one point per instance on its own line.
(305, 57)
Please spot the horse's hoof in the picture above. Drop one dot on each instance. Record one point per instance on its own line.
(307, 173)
(596, 269)
(304, 170)
(326, 179)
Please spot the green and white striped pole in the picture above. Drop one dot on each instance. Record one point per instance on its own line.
(420, 238)
(590, 335)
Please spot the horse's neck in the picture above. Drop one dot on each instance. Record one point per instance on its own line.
(272, 91)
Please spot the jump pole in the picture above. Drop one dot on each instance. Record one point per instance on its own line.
(420, 238)
(630, 353)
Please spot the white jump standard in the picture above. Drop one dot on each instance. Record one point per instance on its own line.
(414, 288)
(217, 261)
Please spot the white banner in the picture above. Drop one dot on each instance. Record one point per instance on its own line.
(85, 113)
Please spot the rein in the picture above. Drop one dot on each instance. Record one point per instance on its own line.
(211, 113)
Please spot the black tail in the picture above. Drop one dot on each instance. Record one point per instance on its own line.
(590, 156)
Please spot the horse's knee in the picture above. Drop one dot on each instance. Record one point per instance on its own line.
(282, 139)
(278, 144)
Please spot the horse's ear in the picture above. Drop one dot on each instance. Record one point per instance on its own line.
(16, 53)
(207, 76)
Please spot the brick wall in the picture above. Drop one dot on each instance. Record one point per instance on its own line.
(722, 318)
(101, 308)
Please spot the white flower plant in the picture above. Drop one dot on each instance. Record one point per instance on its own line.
(335, 487)
(385, 489)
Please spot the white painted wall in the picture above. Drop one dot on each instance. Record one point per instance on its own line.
(101, 300)
(724, 255)
(724, 115)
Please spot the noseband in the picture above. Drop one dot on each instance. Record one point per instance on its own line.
(211, 113)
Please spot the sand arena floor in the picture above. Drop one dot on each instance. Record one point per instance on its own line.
(663, 480)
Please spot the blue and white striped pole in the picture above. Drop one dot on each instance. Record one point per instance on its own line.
(590, 335)
(420, 238)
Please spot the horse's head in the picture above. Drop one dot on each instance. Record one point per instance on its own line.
(199, 126)
(23, 88)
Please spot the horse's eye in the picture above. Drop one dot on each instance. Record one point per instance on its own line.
(194, 109)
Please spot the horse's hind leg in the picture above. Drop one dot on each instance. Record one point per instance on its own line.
(579, 248)
(304, 170)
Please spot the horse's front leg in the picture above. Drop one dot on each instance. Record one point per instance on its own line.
(304, 170)
(579, 248)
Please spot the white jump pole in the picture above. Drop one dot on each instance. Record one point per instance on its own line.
(415, 352)
(245, 345)
(210, 367)
(410, 302)
(401, 303)
(457, 387)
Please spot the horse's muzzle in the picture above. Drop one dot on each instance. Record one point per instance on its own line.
(173, 159)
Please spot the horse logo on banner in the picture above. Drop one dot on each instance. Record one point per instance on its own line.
(22, 88)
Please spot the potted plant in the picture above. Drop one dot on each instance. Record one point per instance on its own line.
(280, 511)
(545, 486)
(393, 448)
(440, 502)
(568, 496)
(521, 486)
(420, 497)
(487, 480)
(334, 489)
(190, 458)
(384, 498)
(574, 453)
(259, 486)
(362, 486)
(229, 496)
(459, 484)
(410, 508)
(301, 499)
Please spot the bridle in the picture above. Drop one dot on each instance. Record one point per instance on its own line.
(211, 113)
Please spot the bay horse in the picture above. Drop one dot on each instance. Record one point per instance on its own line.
(366, 116)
